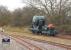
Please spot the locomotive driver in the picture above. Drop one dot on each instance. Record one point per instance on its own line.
(51, 26)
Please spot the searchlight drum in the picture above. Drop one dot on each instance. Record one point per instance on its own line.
(5, 39)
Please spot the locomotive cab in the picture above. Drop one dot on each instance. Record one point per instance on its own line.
(39, 26)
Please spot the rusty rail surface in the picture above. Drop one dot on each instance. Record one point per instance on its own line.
(37, 48)
(29, 45)
(52, 43)
(23, 42)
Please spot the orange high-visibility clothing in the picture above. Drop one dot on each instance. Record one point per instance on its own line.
(51, 26)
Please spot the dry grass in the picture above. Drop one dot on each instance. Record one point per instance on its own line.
(25, 32)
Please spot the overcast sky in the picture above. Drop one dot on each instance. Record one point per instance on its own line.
(12, 4)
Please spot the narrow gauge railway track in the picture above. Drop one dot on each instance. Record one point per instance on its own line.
(23, 42)
(29, 42)
(38, 48)
(52, 43)
(26, 43)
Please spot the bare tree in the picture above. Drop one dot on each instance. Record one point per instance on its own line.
(51, 7)
(4, 16)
